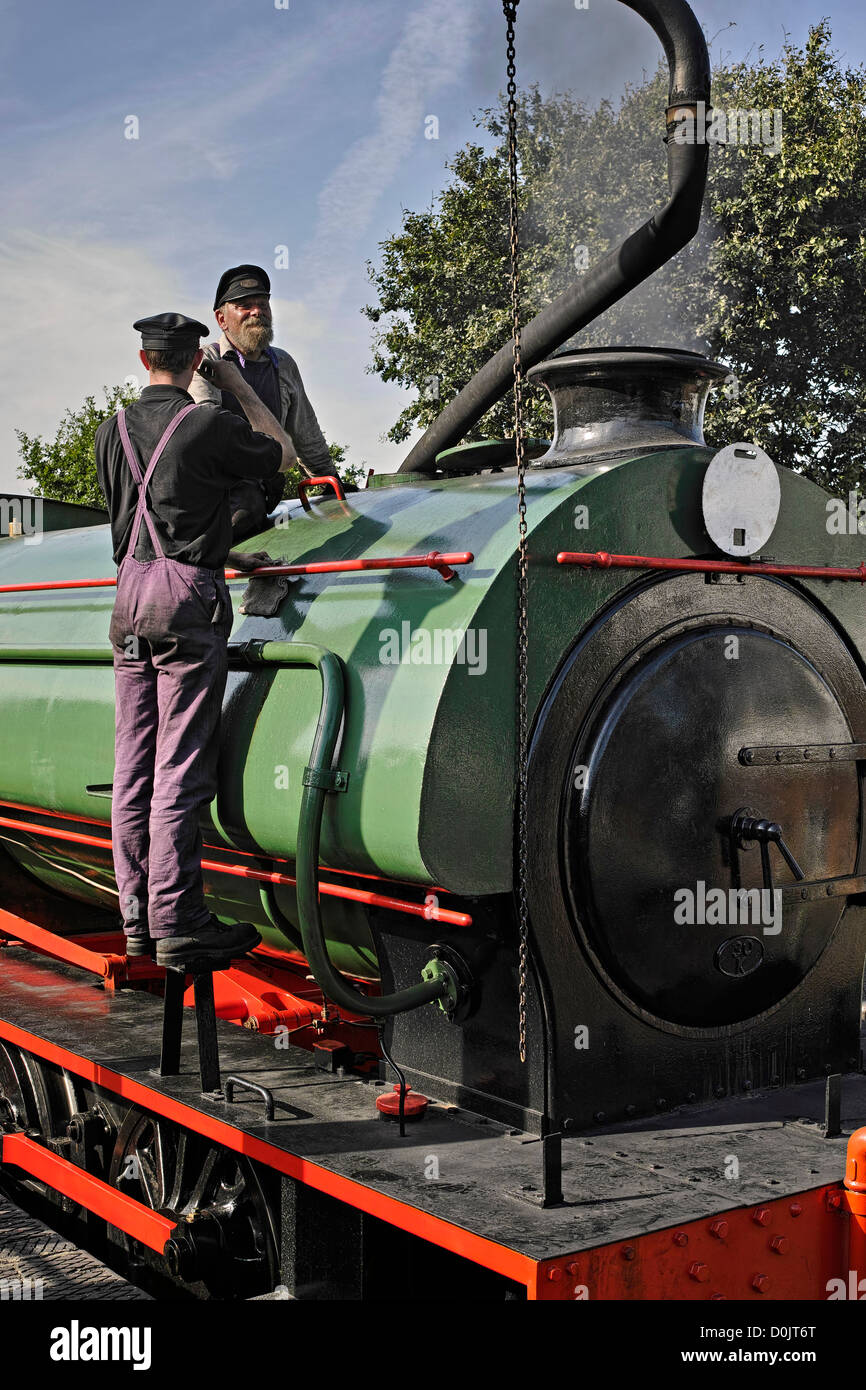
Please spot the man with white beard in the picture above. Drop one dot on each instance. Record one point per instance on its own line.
(242, 307)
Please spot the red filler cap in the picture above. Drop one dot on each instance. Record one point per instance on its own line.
(388, 1104)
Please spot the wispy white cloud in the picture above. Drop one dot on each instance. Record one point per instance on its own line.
(65, 337)
(100, 230)
(430, 55)
(76, 170)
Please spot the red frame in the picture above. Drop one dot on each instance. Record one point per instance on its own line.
(653, 1265)
(120, 1211)
(434, 1229)
(737, 1254)
(270, 991)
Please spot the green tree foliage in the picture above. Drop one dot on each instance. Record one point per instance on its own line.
(771, 284)
(352, 474)
(65, 468)
(786, 303)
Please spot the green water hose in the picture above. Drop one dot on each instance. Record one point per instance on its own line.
(318, 780)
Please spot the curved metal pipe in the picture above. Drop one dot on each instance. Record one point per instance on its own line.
(329, 980)
(642, 253)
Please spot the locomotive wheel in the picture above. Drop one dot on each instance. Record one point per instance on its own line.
(38, 1098)
(225, 1244)
(33, 1096)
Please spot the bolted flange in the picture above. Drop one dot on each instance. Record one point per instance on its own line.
(449, 965)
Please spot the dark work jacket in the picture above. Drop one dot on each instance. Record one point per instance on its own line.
(188, 495)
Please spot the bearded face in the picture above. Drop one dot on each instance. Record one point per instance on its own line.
(248, 324)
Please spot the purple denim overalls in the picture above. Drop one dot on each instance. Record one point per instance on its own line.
(169, 631)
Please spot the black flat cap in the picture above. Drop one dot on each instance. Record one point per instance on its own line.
(170, 332)
(240, 282)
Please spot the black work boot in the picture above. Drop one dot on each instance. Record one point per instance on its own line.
(210, 947)
(139, 942)
(140, 945)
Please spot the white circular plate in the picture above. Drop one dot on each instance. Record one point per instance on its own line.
(741, 499)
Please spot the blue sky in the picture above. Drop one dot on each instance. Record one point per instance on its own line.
(260, 127)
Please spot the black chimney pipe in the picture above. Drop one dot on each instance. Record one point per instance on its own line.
(642, 253)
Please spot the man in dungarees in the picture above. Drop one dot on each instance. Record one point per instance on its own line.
(166, 467)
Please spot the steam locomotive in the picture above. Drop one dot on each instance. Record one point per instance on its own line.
(648, 1094)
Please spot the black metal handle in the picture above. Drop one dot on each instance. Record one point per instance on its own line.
(266, 1095)
(766, 832)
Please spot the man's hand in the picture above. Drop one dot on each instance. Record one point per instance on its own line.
(225, 375)
(248, 560)
(222, 373)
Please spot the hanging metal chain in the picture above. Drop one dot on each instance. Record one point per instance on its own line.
(510, 10)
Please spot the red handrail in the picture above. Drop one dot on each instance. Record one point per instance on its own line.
(327, 481)
(434, 561)
(58, 584)
(600, 559)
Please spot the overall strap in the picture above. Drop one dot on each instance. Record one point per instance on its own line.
(135, 467)
(278, 394)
